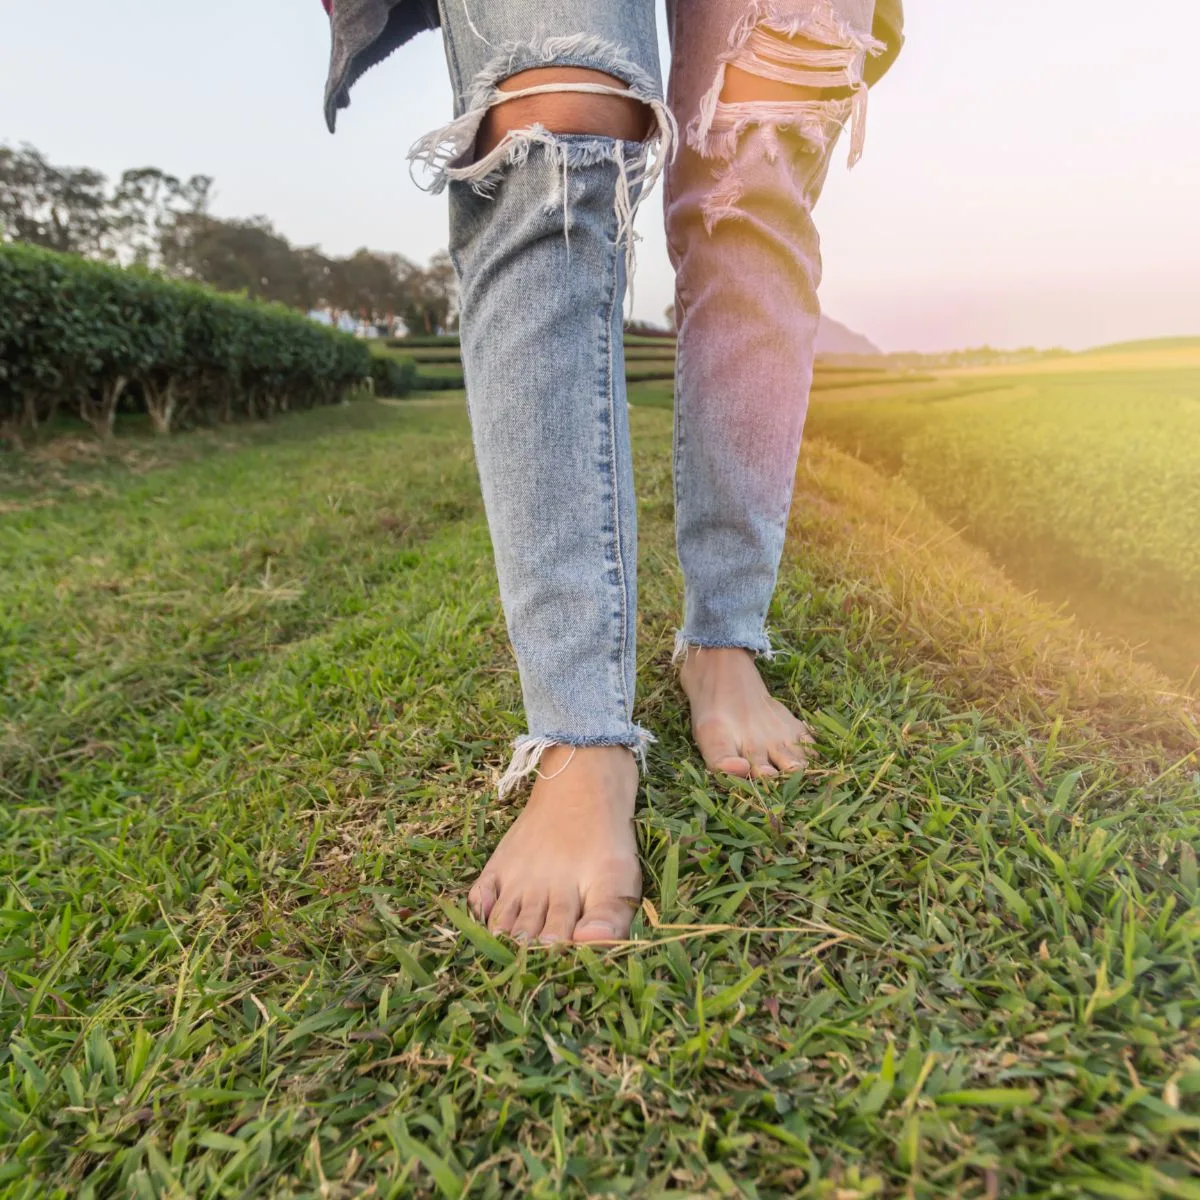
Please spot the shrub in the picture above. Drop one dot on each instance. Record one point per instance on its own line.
(80, 333)
(392, 374)
(433, 377)
(423, 339)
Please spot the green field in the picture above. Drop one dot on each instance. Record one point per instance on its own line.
(254, 696)
(439, 361)
(1083, 483)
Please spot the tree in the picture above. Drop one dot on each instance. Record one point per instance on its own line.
(144, 209)
(315, 273)
(152, 219)
(58, 208)
(431, 297)
(369, 284)
(237, 256)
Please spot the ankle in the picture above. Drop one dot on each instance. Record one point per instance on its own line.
(700, 658)
(586, 774)
(559, 755)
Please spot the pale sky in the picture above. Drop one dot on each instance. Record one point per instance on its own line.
(1032, 171)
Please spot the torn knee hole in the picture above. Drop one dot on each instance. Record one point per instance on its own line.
(558, 108)
(511, 114)
(744, 87)
(786, 70)
(771, 66)
(529, 96)
(508, 115)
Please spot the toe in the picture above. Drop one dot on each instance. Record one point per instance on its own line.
(528, 925)
(789, 757)
(482, 898)
(760, 763)
(505, 913)
(561, 918)
(605, 920)
(720, 749)
(801, 735)
(733, 766)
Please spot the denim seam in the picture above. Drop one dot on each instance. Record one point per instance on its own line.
(634, 735)
(677, 440)
(677, 407)
(614, 482)
(460, 98)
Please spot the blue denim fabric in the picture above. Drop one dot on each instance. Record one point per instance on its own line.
(364, 32)
(739, 213)
(541, 238)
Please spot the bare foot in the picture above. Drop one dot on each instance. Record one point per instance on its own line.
(740, 728)
(567, 869)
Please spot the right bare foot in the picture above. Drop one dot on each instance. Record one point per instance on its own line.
(739, 727)
(567, 869)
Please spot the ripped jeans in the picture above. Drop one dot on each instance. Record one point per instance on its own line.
(542, 240)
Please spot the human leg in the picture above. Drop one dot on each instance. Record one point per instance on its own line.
(545, 162)
(764, 90)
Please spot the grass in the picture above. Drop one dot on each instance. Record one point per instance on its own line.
(1084, 484)
(1150, 347)
(256, 693)
(441, 364)
(1160, 354)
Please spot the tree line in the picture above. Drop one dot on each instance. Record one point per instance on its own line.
(157, 221)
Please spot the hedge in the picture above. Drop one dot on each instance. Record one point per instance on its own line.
(391, 374)
(443, 376)
(84, 335)
(422, 339)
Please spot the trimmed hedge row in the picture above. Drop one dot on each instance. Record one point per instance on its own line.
(391, 374)
(438, 365)
(442, 376)
(399, 374)
(78, 333)
(422, 339)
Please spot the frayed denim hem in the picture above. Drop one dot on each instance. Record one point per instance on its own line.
(528, 751)
(760, 648)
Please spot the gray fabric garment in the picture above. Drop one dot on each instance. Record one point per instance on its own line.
(365, 32)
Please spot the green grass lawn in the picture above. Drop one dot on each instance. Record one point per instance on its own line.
(254, 696)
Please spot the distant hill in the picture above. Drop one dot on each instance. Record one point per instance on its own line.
(1166, 343)
(835, 339)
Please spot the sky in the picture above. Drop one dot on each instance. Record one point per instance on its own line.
(1031, 176)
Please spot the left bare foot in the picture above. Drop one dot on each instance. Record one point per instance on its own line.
(739, 727)
(567, 870)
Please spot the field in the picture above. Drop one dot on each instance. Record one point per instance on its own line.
(439, 361)
(1083, 482)
(255, 696)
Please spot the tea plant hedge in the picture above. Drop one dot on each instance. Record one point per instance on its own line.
(79, 334)
(392, 374)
